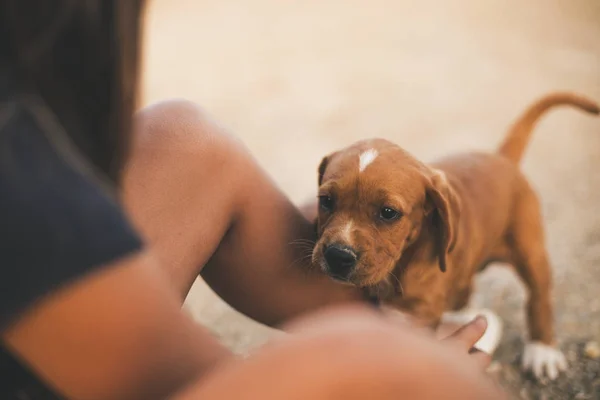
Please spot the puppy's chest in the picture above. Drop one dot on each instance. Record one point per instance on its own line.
(425, 291)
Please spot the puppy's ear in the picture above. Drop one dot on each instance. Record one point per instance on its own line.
(445, 205)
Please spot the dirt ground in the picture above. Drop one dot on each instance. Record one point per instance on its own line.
(298, 79)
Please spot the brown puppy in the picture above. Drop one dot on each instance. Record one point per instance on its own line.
(414, 235)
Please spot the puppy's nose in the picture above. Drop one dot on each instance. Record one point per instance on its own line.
(340, 261)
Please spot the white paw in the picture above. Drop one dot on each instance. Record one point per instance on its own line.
(491, 338)
(543, 359)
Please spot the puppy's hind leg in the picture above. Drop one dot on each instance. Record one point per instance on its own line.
(530, 258)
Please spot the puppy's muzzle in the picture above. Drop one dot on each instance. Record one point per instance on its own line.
(340, 261)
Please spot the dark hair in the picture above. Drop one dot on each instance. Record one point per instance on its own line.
(82, 58)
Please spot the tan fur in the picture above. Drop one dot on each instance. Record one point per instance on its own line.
(458, 215)
(518, 137)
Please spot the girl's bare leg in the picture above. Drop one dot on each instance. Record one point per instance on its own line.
(350, 354)
(207, 208)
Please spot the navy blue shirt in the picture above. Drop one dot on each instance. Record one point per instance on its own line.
(58, 220)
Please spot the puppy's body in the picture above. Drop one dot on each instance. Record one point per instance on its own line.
(489, 188)
(393, 225)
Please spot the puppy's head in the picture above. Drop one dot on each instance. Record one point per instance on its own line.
(375, 201)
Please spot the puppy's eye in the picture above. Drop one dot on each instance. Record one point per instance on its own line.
(326, 202)
(389, 214)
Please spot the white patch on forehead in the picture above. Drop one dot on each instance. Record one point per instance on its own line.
(347, 232)
(366, 158)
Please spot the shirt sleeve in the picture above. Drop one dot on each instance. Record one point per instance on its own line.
(57, 222)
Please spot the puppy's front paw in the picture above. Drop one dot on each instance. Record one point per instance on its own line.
(543, 359)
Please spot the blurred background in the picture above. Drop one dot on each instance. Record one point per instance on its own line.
(298, 79)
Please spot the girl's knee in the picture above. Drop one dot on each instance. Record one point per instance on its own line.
(178, 139)
(182, 126)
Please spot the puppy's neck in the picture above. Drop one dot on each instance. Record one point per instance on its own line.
(419, 253)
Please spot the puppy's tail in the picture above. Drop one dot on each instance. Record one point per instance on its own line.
(515, 142)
